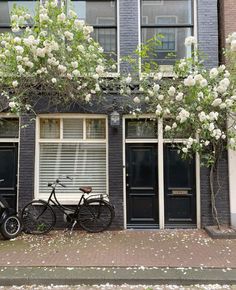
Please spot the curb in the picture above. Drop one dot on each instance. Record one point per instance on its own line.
(114, 275)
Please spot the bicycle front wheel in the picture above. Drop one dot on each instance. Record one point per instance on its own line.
(95, 215)
(38, 217)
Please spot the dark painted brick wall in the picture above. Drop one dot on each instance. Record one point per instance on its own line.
(26, 160)
(222, 200)
(116, 173)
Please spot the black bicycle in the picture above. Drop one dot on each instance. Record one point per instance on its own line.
(93, 213)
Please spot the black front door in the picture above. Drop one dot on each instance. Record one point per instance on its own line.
(8, 172)
(141, 186)
(180, 189)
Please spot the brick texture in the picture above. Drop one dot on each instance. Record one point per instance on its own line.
(227, 23)
(208, 31)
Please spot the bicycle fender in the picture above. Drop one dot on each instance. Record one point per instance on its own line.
(4, 215)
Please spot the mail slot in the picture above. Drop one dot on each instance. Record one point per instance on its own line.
(179, 192)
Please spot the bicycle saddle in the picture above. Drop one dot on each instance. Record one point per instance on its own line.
(86, 189)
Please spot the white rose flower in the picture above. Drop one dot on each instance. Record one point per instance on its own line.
(100, 69)
(12, 104)
(76, 73)
(156, 88)
(214, 73)
(171, 91)
(225, 82)
(200, 95)
(88, 97)
(151, 93)
(206, 143)
(128, 79)
(158, 110)
(179, 97)
(62, 69)
(147, 99)
(69, 35)
(185, 150)
(160, 97)
(229, 103)
(19, 49)
(43, 17)
(97, 88)
(233, 45)
(54, 80)
(74, 64)
(189, 81)
(174, 125)
(203, 83)
(211, 127)
(158, 76)
(61, 17)
(191, 40)
(15, 84)
(222, 106)
(202, 116)
(21, 70)
(137, 100)
(198, 77)
(216, 102)
(213, 116)
(167, 128)
(221, 89)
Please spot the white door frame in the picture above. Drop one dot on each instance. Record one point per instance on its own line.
(159, 141)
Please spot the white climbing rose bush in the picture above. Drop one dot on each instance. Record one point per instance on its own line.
(194, 103)
(52, 54)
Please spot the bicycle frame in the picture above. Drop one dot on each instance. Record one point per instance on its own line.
(53, 200)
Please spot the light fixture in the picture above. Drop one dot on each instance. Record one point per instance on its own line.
(115, 119)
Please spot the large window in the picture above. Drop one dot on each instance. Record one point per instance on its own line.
(101, 14)
(171, 21)
(72, 146)
(6, 8)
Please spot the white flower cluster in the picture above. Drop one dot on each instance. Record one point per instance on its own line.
(40, 51)
(231, 40)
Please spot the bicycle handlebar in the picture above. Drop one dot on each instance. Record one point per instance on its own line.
(57, 181)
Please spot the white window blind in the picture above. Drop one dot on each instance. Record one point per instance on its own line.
(73, 128)
(85, 161)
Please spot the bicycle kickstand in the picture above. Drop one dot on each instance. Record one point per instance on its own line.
(72, 227)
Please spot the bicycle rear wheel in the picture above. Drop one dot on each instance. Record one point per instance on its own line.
(95, 215)
(38, 217)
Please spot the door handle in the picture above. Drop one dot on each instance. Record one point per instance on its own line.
(127, 184)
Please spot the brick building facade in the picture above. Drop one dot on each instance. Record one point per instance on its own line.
(121, 154)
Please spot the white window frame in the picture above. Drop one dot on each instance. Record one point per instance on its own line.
(160, 141)
(112, 74)
(64, 199)
(166, 69)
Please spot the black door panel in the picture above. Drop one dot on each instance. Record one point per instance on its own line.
(141, 185)
(180, 188)
(8, 172)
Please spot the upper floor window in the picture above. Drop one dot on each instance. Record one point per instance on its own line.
(171, 21)
(102, 15)
(6, 8)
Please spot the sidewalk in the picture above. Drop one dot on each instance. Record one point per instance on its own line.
(176, 256)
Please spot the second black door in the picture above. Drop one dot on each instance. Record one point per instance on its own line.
(180, 189)
(141, 186)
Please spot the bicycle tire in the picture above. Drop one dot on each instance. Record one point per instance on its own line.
(11, 227)
(95, 215)
(38, 217)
